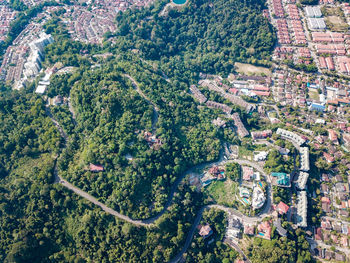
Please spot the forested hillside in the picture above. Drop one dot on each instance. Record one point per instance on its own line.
(43, 222)
(111, 120)
(206, 36)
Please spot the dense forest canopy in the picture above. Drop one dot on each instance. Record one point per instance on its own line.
(207, 36)
(111, 120)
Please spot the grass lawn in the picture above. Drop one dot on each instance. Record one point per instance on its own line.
(222, 192)
(244, 153)
(249, 69)
(314, 95)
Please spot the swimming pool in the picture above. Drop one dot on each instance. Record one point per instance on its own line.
(179, 2)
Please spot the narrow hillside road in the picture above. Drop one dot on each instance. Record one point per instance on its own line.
(237, 248)
(71, 109)
(155, 107)
(58, 126)
(104, 207)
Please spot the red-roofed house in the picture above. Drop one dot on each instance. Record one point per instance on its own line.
(326, 225)
(247, 173)
(96, 168)
(234, 91)
(205, 231)
(325, 199)
(344, 241)
(329, 158)
(282, 208)
(264, 230)
(318, 235)
(333, 136)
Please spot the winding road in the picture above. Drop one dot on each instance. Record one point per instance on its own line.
(150, 221)
(155, 107)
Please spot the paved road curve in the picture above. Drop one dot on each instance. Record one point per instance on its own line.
(150, 221)
(104, 207)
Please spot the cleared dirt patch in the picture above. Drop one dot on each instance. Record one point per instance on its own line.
(336, 23)
(249, 69)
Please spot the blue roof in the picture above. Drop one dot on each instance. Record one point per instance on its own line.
(318, 107)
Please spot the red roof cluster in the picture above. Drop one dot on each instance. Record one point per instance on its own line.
(326, 63)
(277, 8)
(298, 32)
(282, 31)
(338, 49)
(293, 12)
(304, 52)
(344, 64)
(331, 37)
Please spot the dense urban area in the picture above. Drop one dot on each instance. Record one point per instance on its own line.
(174, 131)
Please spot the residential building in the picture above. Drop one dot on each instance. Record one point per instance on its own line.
(258, 198)
(198, 94)
(281, 179)
(295, 138)
(302, 180)
(205, 231)
(264, 230)
(261, 134)
(241, 130)
(221, 106)
(282, 208)
(96, 168)
(304, 159)
(302, 209)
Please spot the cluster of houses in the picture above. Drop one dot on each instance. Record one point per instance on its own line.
(326, 49)
(252, 87)
(90, 23)
(333, 233)
(252, 190)
(89, 26)
(7, 15)
(22, 60)
(296, 24)
(330, 255)
(335, 195)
